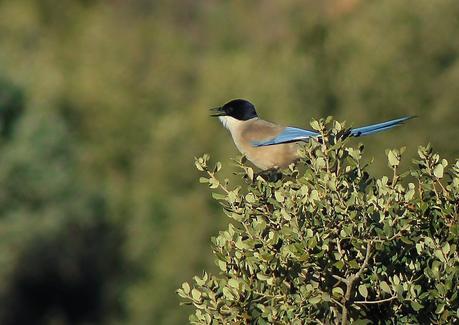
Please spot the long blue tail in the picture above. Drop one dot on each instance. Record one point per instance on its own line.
(375, 128)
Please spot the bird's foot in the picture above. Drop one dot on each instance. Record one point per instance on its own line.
(269, 175)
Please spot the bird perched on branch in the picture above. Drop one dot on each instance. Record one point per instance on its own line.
(268, 145)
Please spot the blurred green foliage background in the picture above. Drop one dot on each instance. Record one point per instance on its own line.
(103, 105)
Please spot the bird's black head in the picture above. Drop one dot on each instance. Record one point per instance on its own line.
(239, 109)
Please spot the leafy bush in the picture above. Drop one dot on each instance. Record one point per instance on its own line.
(324, 241)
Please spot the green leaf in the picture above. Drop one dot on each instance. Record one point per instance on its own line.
(406, 240)
(315, 125)
(199, 281)
(326, 296)
(363, 291)
(436, 269)
(218, 196)
(233, 283)
(339, 265)
(411, 192)
(438, 171)
(249, 172)
(361, 322)
(241, 244)
(218, 166)
(354, 153)
(440, 308)
(279, 197)
(213, 183)
(186, 287)
(228, 294)
(337, 126)
(196, 294)
(353, 264)
(199, 165)
(445, 249)
(285, 214)
(320, 163)
(314, 195)
(393, 158)
(337, 292)
(262, 277)
(233, 195)
(250, 198)
(270, 281)
(419, 248)
(439, 254)
(416, 306)
(222, 265)
(385, 287)
(315, 300)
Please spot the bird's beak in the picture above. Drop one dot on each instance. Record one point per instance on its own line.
(217, 111)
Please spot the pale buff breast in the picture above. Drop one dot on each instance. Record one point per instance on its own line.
(245, 132)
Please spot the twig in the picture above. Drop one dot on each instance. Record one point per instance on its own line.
(394, 177)
(375, 301)
(350, 282)
(337, 302)
(365, 261)
(339, 246)
(337, 277)
(268, 295)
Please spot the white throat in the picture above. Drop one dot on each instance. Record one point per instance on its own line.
(231, 123)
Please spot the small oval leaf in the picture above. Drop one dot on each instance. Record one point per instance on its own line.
(363, 291)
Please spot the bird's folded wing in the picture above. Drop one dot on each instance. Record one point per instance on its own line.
(374, 128)
(291, 134)
(288, 134)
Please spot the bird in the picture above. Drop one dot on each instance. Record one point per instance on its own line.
(270, 146)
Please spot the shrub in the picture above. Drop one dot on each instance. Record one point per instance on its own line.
(325, 242)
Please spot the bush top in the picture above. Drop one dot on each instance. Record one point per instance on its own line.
(325, 241)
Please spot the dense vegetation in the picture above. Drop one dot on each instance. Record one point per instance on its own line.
(325, 242)
(103, 105)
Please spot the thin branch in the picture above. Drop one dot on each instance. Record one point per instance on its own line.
(435, 191)
(385, 240)
(268, 295)
(339, 246)
(337, 302)
(350, 282)
(211, 174)
(247, 230)
(365, 261)
(445, 191)
(375, 301)
(397, 235)
(337, 277)
(394, 177)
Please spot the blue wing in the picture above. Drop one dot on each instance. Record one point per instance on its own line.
(291, 134)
